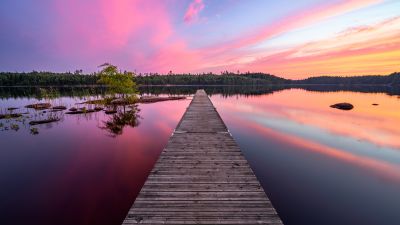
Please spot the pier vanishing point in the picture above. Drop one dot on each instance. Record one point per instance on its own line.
(202, 177)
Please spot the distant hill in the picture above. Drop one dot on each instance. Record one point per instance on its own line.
(70, 79)
(392, 79)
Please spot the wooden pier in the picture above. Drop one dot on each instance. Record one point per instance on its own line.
(202, 177)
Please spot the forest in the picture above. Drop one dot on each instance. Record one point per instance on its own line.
(392, 79)
(67, 79)
(77, 78)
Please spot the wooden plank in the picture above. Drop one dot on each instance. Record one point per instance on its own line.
(202, 177)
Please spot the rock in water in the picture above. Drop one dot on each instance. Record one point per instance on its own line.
(110, 111)
(39, 106)
(36, 122)
(81, 111)
(98, 108)
(8, 116)
(61, 107)
(151, 99)
(343, 106)
(119, 101)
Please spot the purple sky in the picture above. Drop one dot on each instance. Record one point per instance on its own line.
(287, 38)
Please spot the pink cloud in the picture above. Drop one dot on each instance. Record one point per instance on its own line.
(298, 20)
(113, 24)
(122, 31)
(193, 11)
(356, 51)
(317, 58)
(126, 32)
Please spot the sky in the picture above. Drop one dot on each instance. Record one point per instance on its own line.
(291, 39)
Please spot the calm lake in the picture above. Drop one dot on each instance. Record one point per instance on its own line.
(318, 165)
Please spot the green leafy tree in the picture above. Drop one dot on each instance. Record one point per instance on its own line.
(118, 83)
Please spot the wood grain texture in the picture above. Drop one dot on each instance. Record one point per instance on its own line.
(202, 177)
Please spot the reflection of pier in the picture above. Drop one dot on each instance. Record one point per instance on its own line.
(202, 177)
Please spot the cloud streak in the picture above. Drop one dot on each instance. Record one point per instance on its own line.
(192, 13)
(356, 51)
(68, 35)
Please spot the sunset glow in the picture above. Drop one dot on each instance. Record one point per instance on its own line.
(289, 39)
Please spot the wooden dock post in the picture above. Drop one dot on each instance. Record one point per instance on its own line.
(201, 177)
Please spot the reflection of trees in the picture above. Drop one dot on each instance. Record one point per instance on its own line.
(34, 92)
(250, 90)
(50, 92)
(122, 118)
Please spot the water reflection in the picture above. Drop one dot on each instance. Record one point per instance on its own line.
(84, 91)
(320, 165)
(72, 172)
(122, 118)
(308, 114)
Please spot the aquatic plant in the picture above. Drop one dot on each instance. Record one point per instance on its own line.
(39, 106)
(9, 116)
(14, 126)
(51, 117)
(34, 131)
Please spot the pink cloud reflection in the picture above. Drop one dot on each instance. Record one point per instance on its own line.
(379, 168)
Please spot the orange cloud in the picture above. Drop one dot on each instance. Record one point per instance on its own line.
(238, 55)
(127, 31)
(356, 51)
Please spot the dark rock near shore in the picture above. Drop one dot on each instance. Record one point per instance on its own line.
(56, 110)
(73, 109)
(110, 111)
(11, 108)
(343, 106)
(375, 104)
(98, 108)
(119, 101)
(151, 99)
(36, 122)
(143, 99)
(96, 101)
(12, 115)
(61, 107)
(81, 111)
(39, 106)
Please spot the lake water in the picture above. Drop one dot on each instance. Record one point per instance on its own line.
(318, 165)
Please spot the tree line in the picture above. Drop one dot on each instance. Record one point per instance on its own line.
(392, 79)
(46, 79)
(77, 78)
(64, 79)
(211, 79)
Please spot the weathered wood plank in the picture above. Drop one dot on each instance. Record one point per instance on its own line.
(202, 177)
